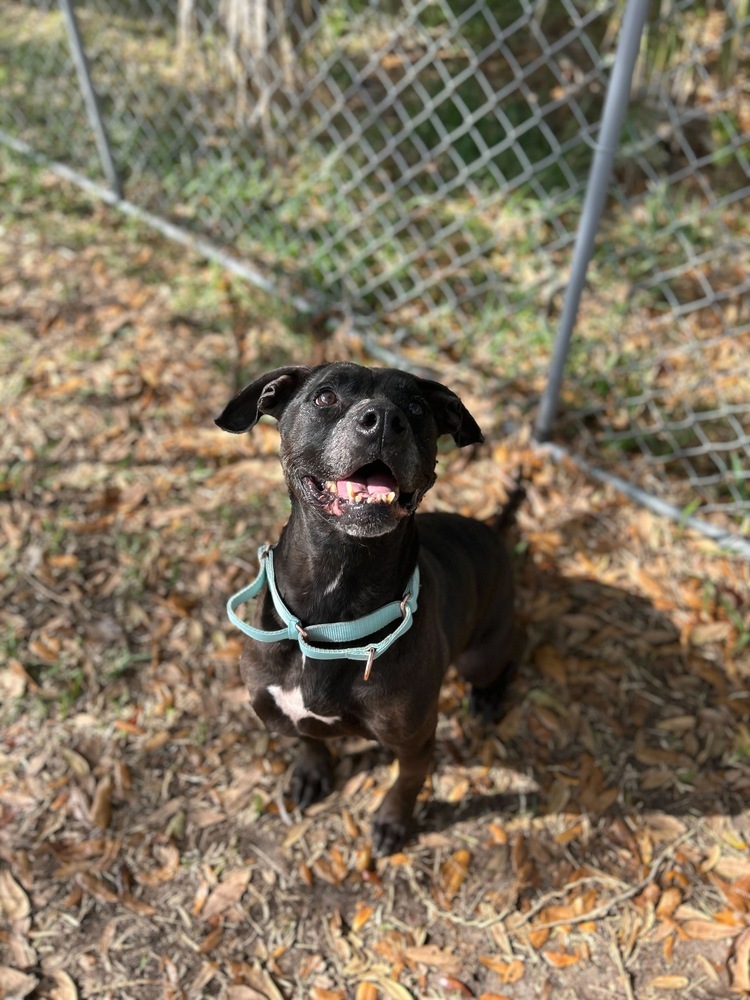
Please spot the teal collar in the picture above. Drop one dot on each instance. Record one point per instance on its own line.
(360, 628)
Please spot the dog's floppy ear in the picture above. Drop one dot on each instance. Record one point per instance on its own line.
(268, 394)
(451, 416)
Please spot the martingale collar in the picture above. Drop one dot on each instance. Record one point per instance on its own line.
(360, 628)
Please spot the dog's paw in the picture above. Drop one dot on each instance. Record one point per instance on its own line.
(488, 703)
(389, 836)
(311, 782)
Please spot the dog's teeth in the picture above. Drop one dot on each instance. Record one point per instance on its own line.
(331, 486)
(389, 497)
(350, 490)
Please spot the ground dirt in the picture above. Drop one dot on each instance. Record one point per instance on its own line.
(592, 844)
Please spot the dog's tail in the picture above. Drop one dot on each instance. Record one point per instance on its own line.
(506, 517)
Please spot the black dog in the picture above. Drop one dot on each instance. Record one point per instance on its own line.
(358, 450)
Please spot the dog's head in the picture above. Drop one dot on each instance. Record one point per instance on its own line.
(358, 445)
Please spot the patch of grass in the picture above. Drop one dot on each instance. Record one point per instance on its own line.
(740, 751)
(122, 662)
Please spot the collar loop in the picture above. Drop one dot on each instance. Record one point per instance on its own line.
(305, 636)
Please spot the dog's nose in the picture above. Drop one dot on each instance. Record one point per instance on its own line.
(381, 419)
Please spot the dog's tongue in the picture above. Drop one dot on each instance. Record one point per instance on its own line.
(376, 482)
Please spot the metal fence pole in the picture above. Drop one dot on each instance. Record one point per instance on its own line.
(613, 115)
(92, 102)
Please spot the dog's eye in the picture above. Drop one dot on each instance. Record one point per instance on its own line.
(326, 397)
(415, 408)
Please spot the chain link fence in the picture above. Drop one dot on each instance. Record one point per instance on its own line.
(421, 165)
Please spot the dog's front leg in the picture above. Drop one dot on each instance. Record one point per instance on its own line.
(392, 821)
(312, 777)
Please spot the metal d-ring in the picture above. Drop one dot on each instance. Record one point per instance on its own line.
(300, 630)
(405, 600)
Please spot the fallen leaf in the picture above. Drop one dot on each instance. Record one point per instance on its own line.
(206, 973)
(399, 860)
(76, 762)
(41, 651)
(260, 983)
(12, 682)
(124, 726)
(14, 903)
(139, 906)
(96, 888)
(558, 798)
(393, 989)
(651, 587)
(324, 870)
(453, 873)
(652, 756)
(669, 983)
(732, 867)
(538, 937)
(207, 817)
(366, 991)
(711, 860)
(735, 841)
(551, 664)
(201, 895)
(509, 972)
(170, 856)
(16, 985)
(454, 985)
(710, 969)
(572, 833)
(157, 741)
(352, 830)
(244, 993)
(64, 988)
(708, 930)
(210, 941)
(431, 954)
(296, 832)
(227, 893)
(101, 806)
(678, 723)
(669, 901)
(736, 893)
(739, 963)
(498, 833)
(703, 634)
(560, 959)
(361, 916)
(555, 913)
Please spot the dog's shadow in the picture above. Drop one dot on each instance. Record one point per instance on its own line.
(619, 707)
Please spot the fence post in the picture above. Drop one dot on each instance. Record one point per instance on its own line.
(91, 100)
(613, 115)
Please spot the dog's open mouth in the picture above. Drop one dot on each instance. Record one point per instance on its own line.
(372, 485)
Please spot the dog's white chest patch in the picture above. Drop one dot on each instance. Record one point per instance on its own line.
(293, 706)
